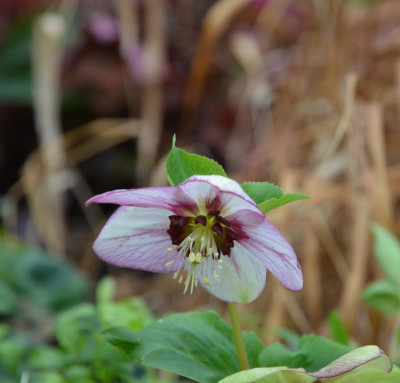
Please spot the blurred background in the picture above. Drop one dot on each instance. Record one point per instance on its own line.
(301, 93)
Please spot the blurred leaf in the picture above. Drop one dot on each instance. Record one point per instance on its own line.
(254, 347)
(313, 353)
(382, 296)
(387, 253)
(320, 351)
(276, 354)
(288, 336)
(338, 329)
(182, 165)
(197, 345)
(12, 353)
(131, 312)
(261, 191)
(8, 300)
(78, 374)
(273, 203)
(46, 377)
(49, 281)
(105, 290)
(45, 357)
(74, 326)
(15, 62)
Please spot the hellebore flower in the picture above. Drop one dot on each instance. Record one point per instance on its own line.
(206, 231)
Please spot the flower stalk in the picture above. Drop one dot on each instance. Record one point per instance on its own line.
(239, 342)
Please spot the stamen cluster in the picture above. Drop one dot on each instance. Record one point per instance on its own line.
(198, 238)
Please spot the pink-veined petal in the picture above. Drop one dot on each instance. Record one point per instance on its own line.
(268, 244)
(137, 238)
(241, 278)
(218, 193)
(165, 197)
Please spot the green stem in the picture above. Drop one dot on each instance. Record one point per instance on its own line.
(239, 342)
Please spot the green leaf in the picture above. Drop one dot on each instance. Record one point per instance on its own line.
(8, 300)
(273, 203)
(182, 165)
(15, 61)
(290, 337)
(338, 328)
(363, 365)
(105, 290)
(196, 345)
(261, 191)
(46, 377)
(313, 353)
(277, 354)
(387, 253)
(382, 296)
(320, 351)
(74, 327)
(45, 357)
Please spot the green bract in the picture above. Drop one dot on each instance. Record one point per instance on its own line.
(182, 165)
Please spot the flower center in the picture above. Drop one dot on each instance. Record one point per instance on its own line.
(197, 238)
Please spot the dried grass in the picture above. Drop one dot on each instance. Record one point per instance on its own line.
(315, 96)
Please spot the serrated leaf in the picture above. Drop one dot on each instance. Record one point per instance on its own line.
(338, 329)
(196, 345)
(182, 165)
(387, 253)
(261, 191)
(382, 296)
(273, 203)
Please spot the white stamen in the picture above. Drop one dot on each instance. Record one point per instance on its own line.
(216, 277)
(169, 250)
(176, 275)
(169, 264)
(187, 280)
(192, 284)
(180, 279)
(199, 257)
(206, 281)
(192, 257)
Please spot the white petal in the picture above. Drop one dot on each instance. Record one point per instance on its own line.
(269, 245)
(137, 238)
(218, 193)
(241, 279)
(165, 197)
